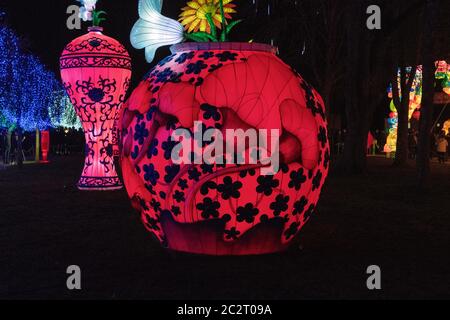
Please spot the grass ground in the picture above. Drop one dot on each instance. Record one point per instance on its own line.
(47, 225)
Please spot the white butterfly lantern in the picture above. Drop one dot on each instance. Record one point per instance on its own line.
(153, 30)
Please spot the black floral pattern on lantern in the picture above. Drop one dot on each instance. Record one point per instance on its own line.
(176, 210)
(196, 67)
(309, 212)
(194, 174)
(156, 205)
(297, 179)
(247, 213)
(207, 168)
(209, 185)
(151, 112)
(210, 112)
(280, 204)
(151, 175)
(166, 60)
(317, 181)
(209, 208)
(299, 206)
(153, 149)
(184, 57)
(250, 172)
(206, 55)
(226, 56)
(292, 230)
(182, 183)
(141, 133)
(232, 234)
(322, 137)
(179, 196)
(215, 67)
(171, 172)
(152, 223)
(229, 189)
(168, 146)
(163, 76)
(266, 184)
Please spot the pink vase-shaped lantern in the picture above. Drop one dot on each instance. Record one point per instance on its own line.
(96, 72)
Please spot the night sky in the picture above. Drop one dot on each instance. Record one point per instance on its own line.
(42, 24)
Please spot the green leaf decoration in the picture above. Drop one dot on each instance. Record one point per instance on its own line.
(232, 25)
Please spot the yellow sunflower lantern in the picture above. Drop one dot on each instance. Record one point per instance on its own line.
(202, 18)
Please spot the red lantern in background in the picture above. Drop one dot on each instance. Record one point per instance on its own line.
(45, 145)
(96, 71)
(224, 209)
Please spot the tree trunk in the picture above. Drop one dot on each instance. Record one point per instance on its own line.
(37, 156)
(19, 150)
(426, 113)
(402, 105)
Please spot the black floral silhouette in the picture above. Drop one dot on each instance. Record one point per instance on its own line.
(194, 174)
(266, 184)
(280, 204)
(141, 133)
(184, 57)
(156, 205)
(163, 76)
(299, 206)
(179, 196)
(232, 234)
(182, 183)
(292, 230)
(322, 136)
(168, 146)
(215, 67)
(151, 174)
(209, 208)
(153, 149)
(244, 173)
(210, 112)
(207, 168)
(226, 56)
(152, 223)
(176, 210)
(208, 185)
(171, 172)
(317, 181)
(247, 213)
(206, 55)
(229, 189)
(297, 179)
(196, 67)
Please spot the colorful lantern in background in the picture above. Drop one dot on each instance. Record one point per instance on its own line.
(446, 126)
(45, 145)
(210, 207)
(96, 73)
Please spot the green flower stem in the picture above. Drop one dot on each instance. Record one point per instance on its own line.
(212, 26)
(224, 24)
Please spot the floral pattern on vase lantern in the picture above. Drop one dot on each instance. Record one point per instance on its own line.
(96, 73)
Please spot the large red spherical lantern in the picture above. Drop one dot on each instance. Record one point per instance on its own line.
(96, 71)
(224, 209)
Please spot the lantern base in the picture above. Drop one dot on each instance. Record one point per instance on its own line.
(206, 238)
(99, 183)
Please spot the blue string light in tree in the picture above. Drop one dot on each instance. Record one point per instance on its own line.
(26, 87)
